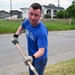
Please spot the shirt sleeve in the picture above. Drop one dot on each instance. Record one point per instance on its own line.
(42, 40)
(25, 23)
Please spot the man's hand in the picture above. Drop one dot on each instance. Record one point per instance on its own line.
(29, 58)
(15, 39)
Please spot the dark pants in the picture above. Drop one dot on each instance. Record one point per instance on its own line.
(39, 66)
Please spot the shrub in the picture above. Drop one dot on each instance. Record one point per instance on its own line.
(47, 16)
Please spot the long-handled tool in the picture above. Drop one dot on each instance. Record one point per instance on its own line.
(29, 64)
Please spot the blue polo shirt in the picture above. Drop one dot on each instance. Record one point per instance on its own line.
(36, 38)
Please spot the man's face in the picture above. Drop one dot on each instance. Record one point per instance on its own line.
(34, 16)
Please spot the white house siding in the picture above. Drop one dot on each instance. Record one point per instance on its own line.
(13, 17)
(51, 13)
(24, 12)
(45, 12)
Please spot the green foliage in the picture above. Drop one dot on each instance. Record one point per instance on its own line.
(51, 4)
(60, 14)
(71, 11)
(68, 13)
(65, 14)
(73, 21)
(52, 25)
(56, 25)
(7, 26)
(73, 2)
(47, 16)
(63, 68)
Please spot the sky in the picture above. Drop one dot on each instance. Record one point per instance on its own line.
(17, 4)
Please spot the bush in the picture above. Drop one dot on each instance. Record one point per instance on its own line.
(60, 14)
(47, 16)
(73, 21)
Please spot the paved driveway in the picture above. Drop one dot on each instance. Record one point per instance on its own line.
(61, 48)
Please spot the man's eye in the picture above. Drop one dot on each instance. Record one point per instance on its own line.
(31, 14)
(35, 15)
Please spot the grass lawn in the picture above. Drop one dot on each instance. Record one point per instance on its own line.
(63, 68)
(58, 25)
(7, 26)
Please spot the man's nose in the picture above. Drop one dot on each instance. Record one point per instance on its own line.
(33, 17)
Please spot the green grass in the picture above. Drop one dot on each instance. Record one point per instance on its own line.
(58, 25)
(63, 68)
(7, 26)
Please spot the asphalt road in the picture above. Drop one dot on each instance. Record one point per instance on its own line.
(61, 48)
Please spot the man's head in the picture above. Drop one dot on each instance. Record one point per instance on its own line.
(34, 13)
(36, 6)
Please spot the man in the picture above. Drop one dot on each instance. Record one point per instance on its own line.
(36, 34)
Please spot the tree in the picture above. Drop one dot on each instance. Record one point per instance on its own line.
(65, 14)
(60, 14)
(51, 4)
(73, 2)
(71, 11)
(47, 16)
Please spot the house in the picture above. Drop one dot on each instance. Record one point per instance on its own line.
(51, 10)
(14, 14)
(3, 13)
(6, 15)
(9, 16)
(24, 12)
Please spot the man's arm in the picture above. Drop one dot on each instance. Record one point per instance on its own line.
(19, 30)
(39, 53)
(16, 35)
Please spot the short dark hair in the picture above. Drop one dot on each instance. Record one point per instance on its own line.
(36, 6)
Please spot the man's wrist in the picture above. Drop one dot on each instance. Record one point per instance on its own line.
(33, 57)
(15, 35)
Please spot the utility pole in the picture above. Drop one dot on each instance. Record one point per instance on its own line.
(58, 3)
(11, 8)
